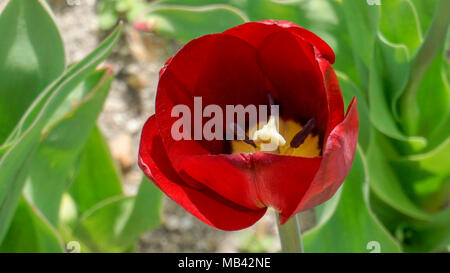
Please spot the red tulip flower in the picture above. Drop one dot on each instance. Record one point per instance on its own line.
(229, 184)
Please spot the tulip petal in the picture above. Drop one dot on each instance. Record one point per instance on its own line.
(223, 70)
(283, 180)
(204, 204)
(334, 96)
(230, 175)
(255, 32)
(323, 49)
(195, 160)
(336, 163)
(291, 67)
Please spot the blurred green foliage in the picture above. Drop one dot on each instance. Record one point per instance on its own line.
(111, 11)
(394, 58)
(50, 193)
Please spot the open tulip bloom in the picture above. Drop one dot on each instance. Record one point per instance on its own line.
(228, 182)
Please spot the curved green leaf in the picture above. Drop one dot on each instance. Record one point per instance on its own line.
(186, 23)
(404, 29)
(426, 177)
(384, 182)
(415, 235)
(362, 23)
(347, 224)
(388, 75)
(435, 41)
(107, 14)
(61, 143)
(31, 57)
(425, 10)
(30, 232)
(432, 236)
(433, 101)
(114, 224)
(13, 163)
(93, 185)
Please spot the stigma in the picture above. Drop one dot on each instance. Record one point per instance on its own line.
(268, 136)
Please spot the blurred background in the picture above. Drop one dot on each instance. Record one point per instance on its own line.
(396, 197)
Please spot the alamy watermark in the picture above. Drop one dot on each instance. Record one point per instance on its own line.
(73, 2)
(236, 117)
(374, 2)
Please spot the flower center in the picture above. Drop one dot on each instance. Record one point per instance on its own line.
(288, 138)
(268, 137)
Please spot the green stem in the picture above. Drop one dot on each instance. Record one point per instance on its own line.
(290, 236)
(428, 51)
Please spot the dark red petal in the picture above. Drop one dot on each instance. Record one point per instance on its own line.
(283, 180)
(336, 163)
(334, 96)
(291, 67)
(230, 175)
(255, 32)
(323, 50)
(204, 204)
(223, 70)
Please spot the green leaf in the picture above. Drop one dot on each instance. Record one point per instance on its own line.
(107, 14)
(114, 224)
(439, 135)
(146, 214)
(13, 163)
(410, 109)
(415, 235)
(425, 11)
(404, 29)
(426, 177)
(362, 23)
(31, 232)
(293, 10)
(101, 227)
(339, 40)
(186, 23)
(347, 224)
(61, 143)
(255, 10)
(433, 101)
(31, 57)
(384, 182)
(68, 217)
(93, 185)
(388, 75)
(432, 236)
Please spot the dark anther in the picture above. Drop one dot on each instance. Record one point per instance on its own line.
(271, 100)
(238, 131)
(300, 137)
(249, 141)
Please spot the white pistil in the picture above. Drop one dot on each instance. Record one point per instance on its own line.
(269, 136)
